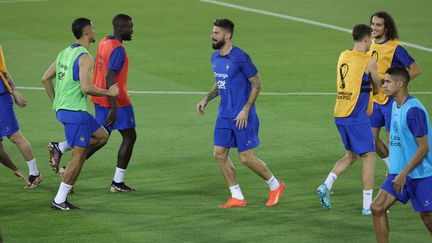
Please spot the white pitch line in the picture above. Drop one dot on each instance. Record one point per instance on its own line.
(202, 93)
(307, 21)
(23, 1)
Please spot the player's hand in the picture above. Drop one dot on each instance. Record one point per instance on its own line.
(399, 182)
(21, 174)
(19, 100)
(112, 116)
(200, 107)
(113, 90)
(242, 118)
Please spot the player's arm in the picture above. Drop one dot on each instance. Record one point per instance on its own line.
(87, 87)
(414, 70)
(372, 69)
(242, 117)
(420, 154)
(214, 92)
(47, 81)
(110, 81)
(18, 98)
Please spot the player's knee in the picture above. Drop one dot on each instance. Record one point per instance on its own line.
(377, 209)
(245, 158)
(219, 156)
(103, 139)
(351, 157)
(16, 137)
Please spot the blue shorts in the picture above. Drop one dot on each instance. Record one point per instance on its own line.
(8, 122)
(381, 115)
(357, 138)
(78, 126)
(227, 135)
(419, 191)
(125, 117)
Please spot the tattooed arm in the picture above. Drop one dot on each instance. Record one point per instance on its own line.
(214, 92)
(242, 117)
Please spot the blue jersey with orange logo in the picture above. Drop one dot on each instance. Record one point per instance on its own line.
(232, 72)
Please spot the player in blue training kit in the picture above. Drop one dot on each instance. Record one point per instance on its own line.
(410, 157)
(238, 83)
(9, 127)
(388, 52)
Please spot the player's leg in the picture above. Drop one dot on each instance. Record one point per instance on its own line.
(380, 117)
(26, 150)
(256, 165)
(125, 124)
(420, 191)
(368, 175)
(382, 202)
(56, 151)
(341, 165)
(98, 139)
(260, 168)
(227, 169)
(123, 158)
(5, 160)
(69, 178)
(427, 220)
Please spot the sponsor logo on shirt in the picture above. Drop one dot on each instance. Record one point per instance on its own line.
(221, 84)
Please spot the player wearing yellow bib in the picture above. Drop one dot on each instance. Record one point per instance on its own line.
(357, 78)
(9, 127)
(388, 52)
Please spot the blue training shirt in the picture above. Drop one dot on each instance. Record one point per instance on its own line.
(117, 58)
(232, 72)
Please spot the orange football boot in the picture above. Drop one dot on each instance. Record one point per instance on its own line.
(233, 202)
(275, 195)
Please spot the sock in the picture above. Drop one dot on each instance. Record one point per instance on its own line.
(236, 192)
(32, 167)
(331, 178)
(386, 161)
(63, 146)
(273, 183)
(62, 192)
(119, 174)
(367, 198)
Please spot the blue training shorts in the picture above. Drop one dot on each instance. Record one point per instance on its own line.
(419, 191)
(125, 117)
(357, 138)
(8, 122)
(381, 115)
(227, 135)
(78, 127)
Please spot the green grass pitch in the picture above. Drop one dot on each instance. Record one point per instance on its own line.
(179, 185)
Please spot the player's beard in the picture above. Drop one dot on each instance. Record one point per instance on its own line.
(218, 45)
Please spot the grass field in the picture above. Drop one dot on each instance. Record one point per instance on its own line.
(179, 185)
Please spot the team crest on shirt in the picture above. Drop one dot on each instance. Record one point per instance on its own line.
(7, 129)
(82, 138)
(227, 67)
